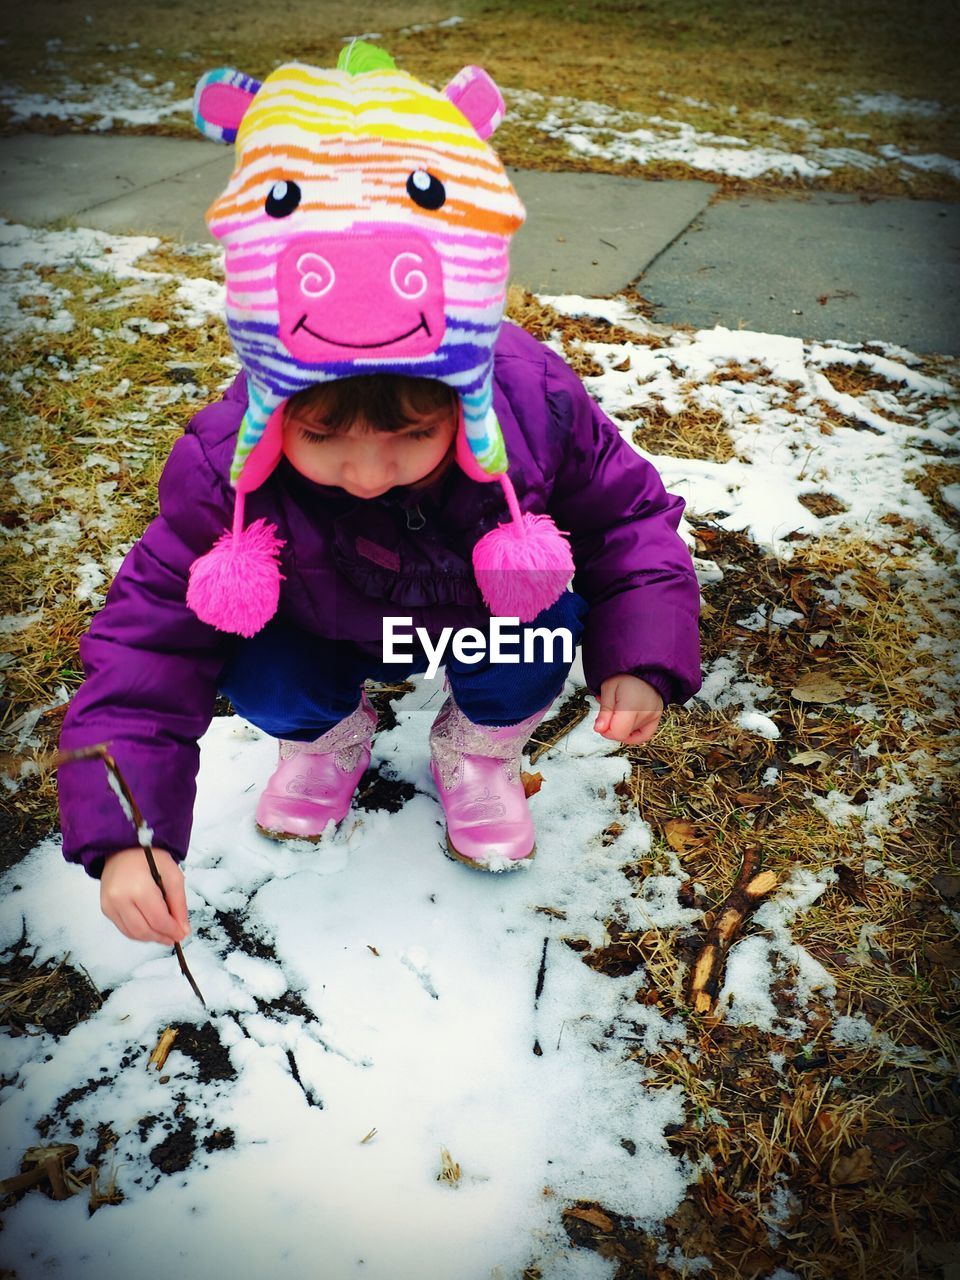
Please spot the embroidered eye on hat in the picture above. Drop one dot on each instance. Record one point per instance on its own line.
(366, 229)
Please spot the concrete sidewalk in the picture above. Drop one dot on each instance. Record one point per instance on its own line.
(824, 266)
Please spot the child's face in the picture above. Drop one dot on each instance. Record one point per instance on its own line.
(367, 463)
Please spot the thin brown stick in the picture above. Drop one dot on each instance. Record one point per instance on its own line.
(751, 887)
(129, 806)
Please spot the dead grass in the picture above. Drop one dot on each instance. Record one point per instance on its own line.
(695, 432)
(863, 1144)
(94, 444)
(573, 332)
(756, 71)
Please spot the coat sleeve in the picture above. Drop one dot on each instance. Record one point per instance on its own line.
(151, 669)
(632, 567)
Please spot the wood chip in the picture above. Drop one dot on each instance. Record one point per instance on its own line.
(164, 1045)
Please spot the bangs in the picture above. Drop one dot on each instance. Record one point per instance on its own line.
(383, 402)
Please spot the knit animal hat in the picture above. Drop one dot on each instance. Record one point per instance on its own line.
(366, 226)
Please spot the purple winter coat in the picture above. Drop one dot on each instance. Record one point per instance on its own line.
(152, 667)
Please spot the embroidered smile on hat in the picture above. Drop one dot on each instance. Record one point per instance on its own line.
(366, 228)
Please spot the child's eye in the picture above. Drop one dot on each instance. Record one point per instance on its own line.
(422, 435)
(311, 435)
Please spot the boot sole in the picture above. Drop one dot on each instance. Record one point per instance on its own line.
(280, 836)
(456, 856)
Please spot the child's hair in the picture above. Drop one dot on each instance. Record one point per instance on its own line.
(384, 402)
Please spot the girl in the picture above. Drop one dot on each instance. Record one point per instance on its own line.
(352, 464)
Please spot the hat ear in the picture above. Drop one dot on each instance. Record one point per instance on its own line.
(220, 102)
(474, 94)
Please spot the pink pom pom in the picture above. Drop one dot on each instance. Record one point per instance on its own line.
(522, 569)
(236, 586)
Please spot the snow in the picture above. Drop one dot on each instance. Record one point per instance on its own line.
(756, 722)
(889, 104)
(123, 101)
(421, 976)
(601, 132)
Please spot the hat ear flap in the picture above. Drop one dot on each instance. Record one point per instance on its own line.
(474, 94)
(220, 102)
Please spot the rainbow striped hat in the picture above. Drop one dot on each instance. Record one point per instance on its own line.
(366, 228)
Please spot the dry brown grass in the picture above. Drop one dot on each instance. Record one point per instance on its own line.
(694, 61)
(863, 1144)
(126, 434)
(696, 432)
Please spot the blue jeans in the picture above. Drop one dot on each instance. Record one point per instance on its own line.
(295, 685)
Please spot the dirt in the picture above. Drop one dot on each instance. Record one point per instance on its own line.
(175, 1152)
(241, 938)
(377, 793)
(25, 820)
(204, 1046)
(219, 1140)
(290, 1004)
(53, 997)
(63, 1104)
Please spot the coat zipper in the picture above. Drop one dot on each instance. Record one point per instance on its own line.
(422, 518)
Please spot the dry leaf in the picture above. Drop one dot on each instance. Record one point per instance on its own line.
(818, 639)
(681, 834)
(750, 799)
(532, 783)
(848, 882)
(856, 1167)
(623, 366)
(592, 1216)
(817, 686)
(810, 757)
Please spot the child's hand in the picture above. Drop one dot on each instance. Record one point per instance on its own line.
(135, 904)
(630, 710)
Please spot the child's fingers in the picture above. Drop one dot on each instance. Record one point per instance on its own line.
(645, 732)
(604, 717)
(132, 924)
(156, 916)
(620, 725)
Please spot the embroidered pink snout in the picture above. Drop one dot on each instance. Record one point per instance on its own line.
(368, 293)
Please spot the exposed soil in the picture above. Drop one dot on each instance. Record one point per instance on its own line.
(175, 1152)
(54, 997)
(204, 1046)
(379, 794)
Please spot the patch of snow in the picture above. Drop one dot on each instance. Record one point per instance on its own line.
(121, 101)
(888, 104)
(757, 722)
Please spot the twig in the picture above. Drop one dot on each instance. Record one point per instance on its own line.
(118, 784)
(751, 887)
(541, 974)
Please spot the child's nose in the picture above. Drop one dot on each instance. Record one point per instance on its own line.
(368, 469)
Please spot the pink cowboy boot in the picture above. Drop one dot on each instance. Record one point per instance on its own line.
(476, 769)
(315, 781)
